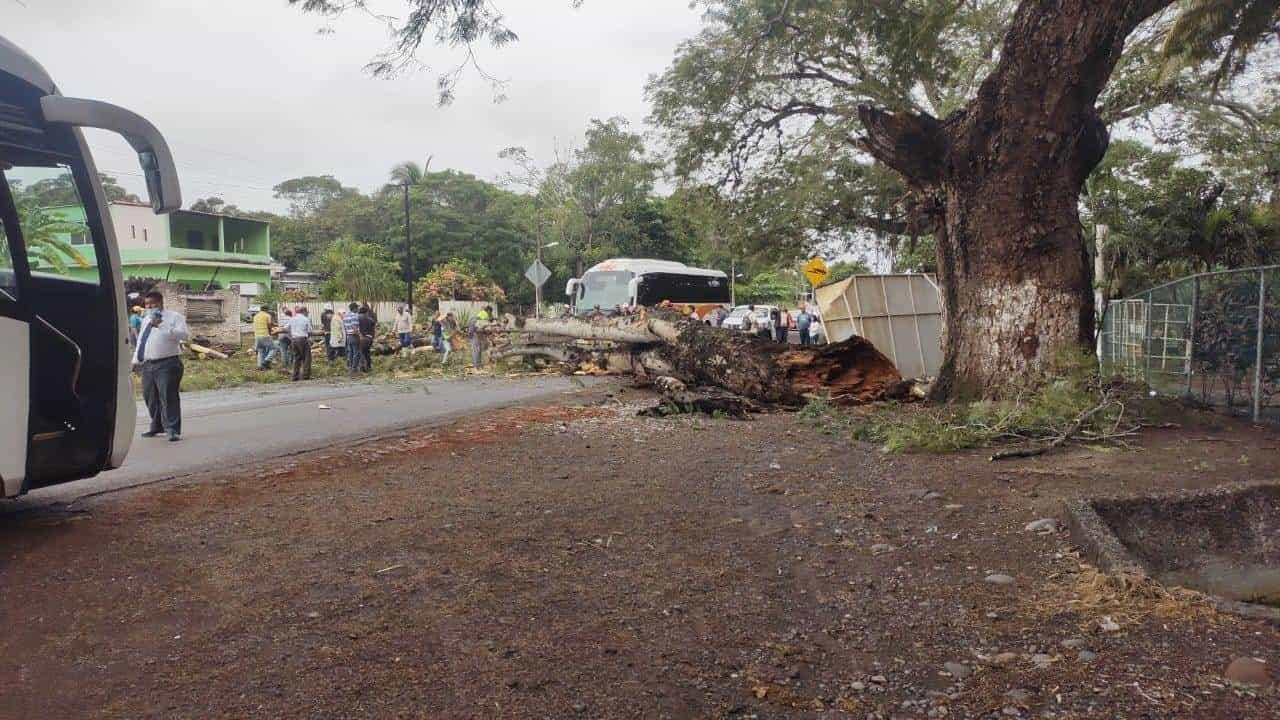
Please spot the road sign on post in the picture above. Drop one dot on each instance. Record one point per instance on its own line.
(817, 271)
(538, 274)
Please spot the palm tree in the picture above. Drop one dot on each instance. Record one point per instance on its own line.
(410, 173)
(43, 234)
(1196, 34)
(359, 271)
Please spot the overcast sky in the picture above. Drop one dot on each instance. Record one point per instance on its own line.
(249, 93)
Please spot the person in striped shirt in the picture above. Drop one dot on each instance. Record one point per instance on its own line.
(351, 326)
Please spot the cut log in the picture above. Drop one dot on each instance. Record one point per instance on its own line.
(551, 352)
(207, 352)
(614, 330)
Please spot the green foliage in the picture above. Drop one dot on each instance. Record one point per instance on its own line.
(44, 235)
(920, 256)
(271, 297)
(1222, 31)
(457, 279)
(844, 270)
(1069, 390)
(764, 102)
(61, 190)
(770, 287)
(595, 199)
(240, 370)
(359, 271)
(1168, 220)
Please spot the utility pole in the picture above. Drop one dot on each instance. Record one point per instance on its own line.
(537, 289)
(733, 283)
(408, 247)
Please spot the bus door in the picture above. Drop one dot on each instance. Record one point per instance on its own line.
(67, 299)
(15, 357)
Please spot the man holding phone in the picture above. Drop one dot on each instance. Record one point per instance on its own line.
(159, 356)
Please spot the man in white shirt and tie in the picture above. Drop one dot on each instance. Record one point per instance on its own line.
(159, 355)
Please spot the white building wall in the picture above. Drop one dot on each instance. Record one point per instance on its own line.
(138, 228)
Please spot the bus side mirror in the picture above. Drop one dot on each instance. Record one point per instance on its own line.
(633, 290)
(153, 152)
(571, 290)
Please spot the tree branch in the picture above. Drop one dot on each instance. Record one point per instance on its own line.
(914, 144)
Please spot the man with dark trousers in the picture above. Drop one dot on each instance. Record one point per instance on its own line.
(159, 355)
(300, 336)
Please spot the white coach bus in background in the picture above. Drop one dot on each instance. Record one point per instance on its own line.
(64, 353)
(627, 282)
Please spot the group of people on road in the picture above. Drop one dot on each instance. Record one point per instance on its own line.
(350, 333)
(777, 326)
(289, 338)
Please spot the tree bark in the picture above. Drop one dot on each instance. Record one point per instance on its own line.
(1009, 167)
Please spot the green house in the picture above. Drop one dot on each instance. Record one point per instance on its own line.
(186, 247)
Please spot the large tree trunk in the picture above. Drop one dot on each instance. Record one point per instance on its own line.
(1006, 173)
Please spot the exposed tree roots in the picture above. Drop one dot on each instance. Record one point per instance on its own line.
(745, 371)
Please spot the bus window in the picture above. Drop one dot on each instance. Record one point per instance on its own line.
(604, 289)
(8, 275)
(694, 289)
(52, 220)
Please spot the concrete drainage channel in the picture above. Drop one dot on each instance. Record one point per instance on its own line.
(1223, 542)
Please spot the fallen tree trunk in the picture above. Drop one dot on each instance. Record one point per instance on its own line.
(666, 344)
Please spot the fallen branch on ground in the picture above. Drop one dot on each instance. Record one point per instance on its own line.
(1071, 432)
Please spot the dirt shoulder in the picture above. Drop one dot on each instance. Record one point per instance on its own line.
(564, 561)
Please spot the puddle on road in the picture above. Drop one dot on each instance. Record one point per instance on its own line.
(1229, 579)
(1224, 542)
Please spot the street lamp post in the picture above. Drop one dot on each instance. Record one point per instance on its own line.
(537, 289)
(408, 248)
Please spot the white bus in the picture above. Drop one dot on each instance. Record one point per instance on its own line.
(625, 282)
(64, 354)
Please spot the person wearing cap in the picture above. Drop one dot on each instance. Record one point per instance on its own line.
(135, 324)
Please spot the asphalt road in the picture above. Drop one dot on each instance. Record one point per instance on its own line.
(223, 429)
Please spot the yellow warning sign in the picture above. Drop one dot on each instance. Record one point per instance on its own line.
(817, 271)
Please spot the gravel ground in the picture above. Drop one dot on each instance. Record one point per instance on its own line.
(572, 560)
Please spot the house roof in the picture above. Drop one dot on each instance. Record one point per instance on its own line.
(130, 203)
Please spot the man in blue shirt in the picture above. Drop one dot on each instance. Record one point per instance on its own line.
(803, 322)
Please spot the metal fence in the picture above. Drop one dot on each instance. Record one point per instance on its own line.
(1212, 337)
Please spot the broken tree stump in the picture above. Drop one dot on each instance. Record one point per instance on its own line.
(664, 343)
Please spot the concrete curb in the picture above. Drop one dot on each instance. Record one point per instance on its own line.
(1100, 545)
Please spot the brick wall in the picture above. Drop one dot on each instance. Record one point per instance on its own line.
(214, 316)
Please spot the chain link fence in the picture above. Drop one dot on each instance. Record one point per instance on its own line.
(1212, 338)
